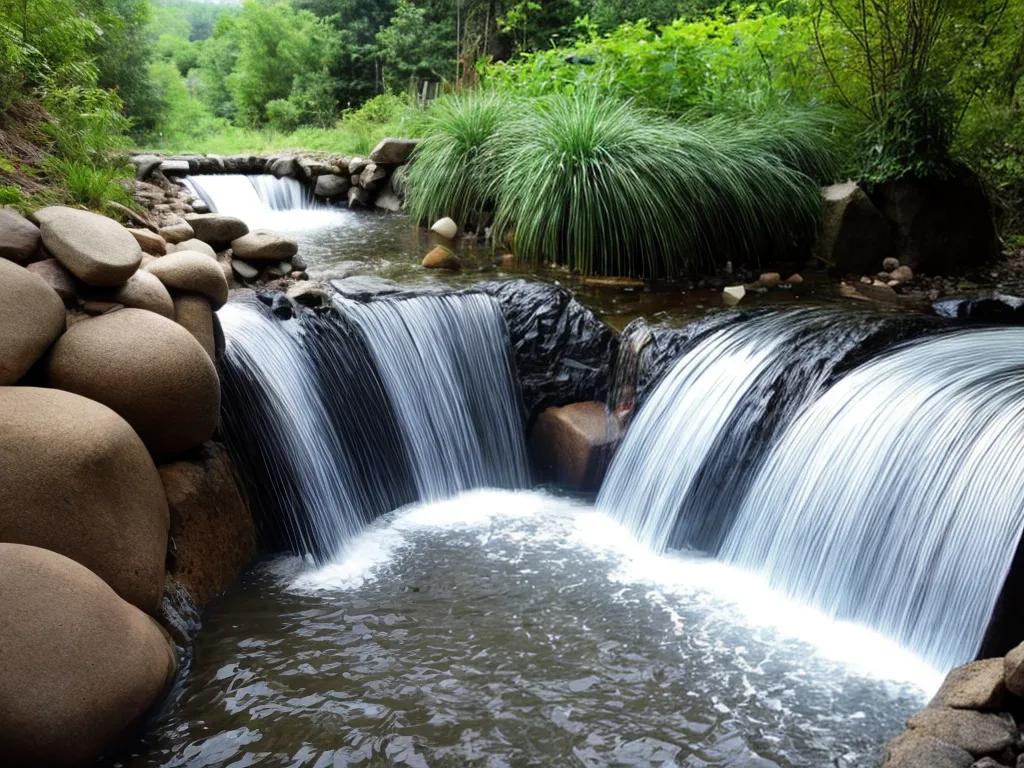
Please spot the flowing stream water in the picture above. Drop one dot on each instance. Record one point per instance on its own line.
(806, 525)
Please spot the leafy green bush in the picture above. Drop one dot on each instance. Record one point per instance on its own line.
(448, 175)
(606, 188)
(283, 115)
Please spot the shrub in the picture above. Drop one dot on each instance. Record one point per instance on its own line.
(447, 175)
(90, 185)
(609, 189)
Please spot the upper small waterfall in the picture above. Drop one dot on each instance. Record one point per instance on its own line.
(251, 197)
(338, 417)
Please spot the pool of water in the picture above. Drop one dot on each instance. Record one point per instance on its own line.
(514, 629)
(338, 243)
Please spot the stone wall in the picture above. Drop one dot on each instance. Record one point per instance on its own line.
(112, 479)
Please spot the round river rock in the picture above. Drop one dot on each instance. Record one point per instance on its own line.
(95, 249)
(31, 318)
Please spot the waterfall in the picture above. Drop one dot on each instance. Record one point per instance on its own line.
(882, 488)
(335, 418)
(446, 364)
(695, 445)
(897, 499)
(258, 198)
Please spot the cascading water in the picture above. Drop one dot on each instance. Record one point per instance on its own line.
(897, 499)
(695, 446)
(891, 497)
(445, 362)
(265, 201)
(337, 418)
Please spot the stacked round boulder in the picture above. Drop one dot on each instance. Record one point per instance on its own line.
(106, 368)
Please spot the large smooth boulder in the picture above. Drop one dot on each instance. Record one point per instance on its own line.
(59, 279)
(193, 272)
(177, 231)
(31, 319)
(193, 313)
(80, 665)
(19, 237)
(574, 445)
(195, 244)
(980, 733)
(148, 369)
(978, 685)
(78, 480)
(215, 229)
(95, 249)
(915, 749)
(144, 291)
(855, 237)
(393, 151)
(212, 530)
(149, 242)
(331, 185)
(264, 245)
(942, 226)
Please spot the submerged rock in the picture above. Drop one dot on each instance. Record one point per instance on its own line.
(80, 664)
(574, 445)
(441, 258)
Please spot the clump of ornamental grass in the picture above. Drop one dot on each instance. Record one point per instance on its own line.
(606, 188)
(447, 175)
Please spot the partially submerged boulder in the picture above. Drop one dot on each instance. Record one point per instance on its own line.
(80, 665)
(212, 530)
(264, 245)
(19, 237)
(855, 237)
(95, 249)
(573, 445)
(77, 480)
(216, 229)
(192, 272)
(148, 369)
(31, 319)
(441, 258)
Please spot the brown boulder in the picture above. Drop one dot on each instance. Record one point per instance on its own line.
(19, 237)
(914, 749)
(148, 369)
(1013, 671)
(149, 242)
(77, 480)
(264, 245)
(192, 312)
(393, 151)
(215, 229)
(195, 244)
(212, 530)
(372, 176)
(58, 278)
(441, 258)
(855, 237)
(177, 231)
(145, 291)
(80, 665)
(978, 685)
(574, 445)
(31, 319)
(193, 272)
(95, 249)
(979, 733)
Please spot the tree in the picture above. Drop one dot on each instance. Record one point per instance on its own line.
(412, 47)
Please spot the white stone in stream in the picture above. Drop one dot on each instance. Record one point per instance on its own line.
(244, 270)
(445, 227)
(733, 295)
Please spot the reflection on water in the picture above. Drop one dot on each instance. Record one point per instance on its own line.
(512, 629)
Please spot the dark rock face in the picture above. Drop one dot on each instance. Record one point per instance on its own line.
(563, 353)
(998, 308)
(574, 445)
(942, 226)
(854, 237)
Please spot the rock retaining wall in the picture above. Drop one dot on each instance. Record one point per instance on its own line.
(109, 406)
